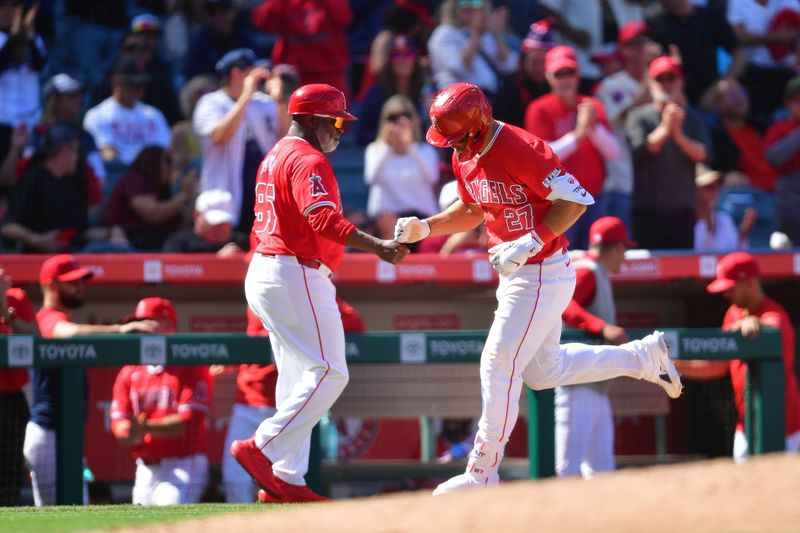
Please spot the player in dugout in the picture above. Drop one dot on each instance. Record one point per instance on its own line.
(161, 412)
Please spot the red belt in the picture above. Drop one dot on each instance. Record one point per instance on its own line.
(310, 263)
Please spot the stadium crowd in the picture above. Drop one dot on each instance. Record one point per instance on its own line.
(116, 117)
(139, 126)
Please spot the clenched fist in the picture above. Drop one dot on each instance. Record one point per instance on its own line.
(411, 229)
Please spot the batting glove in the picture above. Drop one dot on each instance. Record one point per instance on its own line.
(508, 257)
(411, 229)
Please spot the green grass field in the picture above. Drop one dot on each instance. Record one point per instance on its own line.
(69, 519)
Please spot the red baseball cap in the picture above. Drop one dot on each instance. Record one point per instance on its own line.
(62, 268)
(664, 65)
(632, 31)
(733, 268)
(608, 230)
(559, 58)
(156, 309)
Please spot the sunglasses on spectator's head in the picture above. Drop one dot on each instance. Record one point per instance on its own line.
(394, 117)
(666, 78)
(565, 73)
(466, 4)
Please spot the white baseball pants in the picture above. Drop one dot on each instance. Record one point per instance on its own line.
(173, 481)
(523, 347)
(297, 304)
(40, 455)
(244, 420)
(584, 431)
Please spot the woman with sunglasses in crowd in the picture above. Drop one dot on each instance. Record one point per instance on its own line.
(400, 169)
(402, 74)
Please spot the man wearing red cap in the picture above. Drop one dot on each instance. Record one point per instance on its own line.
(511, 180)
(620, 93)
(16, 317)
(301, 236)
(667, 140)
(161, 412)
(576, 128)
(738, 279)
(63, 283)
(584, 420)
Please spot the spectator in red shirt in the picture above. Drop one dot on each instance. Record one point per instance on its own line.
(783, 153)
(738, 279)
(311, 37)
(736, 144)
(16, 316)
(161, 412)
(142, 203)
(576, 128)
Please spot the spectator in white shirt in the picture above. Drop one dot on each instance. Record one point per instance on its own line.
(237, 125)
(400, 170)
(715, 230)
(470, 45)
(121, 124)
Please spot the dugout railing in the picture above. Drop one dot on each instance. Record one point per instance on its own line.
(416, 351)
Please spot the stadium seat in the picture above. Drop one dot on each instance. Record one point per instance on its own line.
(734, 201)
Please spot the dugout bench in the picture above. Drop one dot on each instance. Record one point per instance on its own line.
(420, 374)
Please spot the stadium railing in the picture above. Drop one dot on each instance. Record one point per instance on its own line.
(764, 398)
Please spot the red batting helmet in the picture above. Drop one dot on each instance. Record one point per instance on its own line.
(154, 308)
(458, 111)
(319, 99)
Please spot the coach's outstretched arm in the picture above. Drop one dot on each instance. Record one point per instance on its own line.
(390, 251)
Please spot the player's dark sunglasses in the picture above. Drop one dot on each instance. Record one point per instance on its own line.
(394, 117)
(565, 73)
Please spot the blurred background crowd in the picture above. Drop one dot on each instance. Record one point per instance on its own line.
(139, 125)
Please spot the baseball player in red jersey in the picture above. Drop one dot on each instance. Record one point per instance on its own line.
(301, 238)
(63, 282)
(162, 413)
(512, 181)
(738, 279)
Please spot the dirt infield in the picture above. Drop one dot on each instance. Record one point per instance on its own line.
(714, 496)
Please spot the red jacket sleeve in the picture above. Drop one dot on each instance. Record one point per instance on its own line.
(576, 315)
(331, 224)
(195, 394)
(121, 409)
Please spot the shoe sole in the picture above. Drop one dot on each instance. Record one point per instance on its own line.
(671, 380)
(234, 449)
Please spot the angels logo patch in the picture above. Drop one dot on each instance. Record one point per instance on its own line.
(317, 188)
